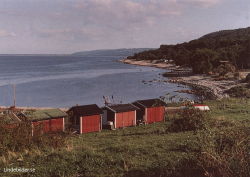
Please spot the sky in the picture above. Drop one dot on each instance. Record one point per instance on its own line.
(67, 26)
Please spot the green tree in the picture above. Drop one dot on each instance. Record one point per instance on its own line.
(202, 59)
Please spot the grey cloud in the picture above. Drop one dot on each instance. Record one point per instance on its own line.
(202, 3)
(4, 33)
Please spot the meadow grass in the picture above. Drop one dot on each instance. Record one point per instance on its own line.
(230, 108)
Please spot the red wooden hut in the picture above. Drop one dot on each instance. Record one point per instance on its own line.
(151, 110)
(45, 121)
(122, 115)
(86, 118)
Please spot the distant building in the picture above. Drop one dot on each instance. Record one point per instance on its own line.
(151, 110)
(86, 118)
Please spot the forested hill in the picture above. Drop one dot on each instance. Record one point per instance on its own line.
(204, 54)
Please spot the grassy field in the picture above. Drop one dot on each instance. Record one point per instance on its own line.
(232, 109)
(149, 150)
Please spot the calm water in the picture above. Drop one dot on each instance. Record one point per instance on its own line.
(63, 81)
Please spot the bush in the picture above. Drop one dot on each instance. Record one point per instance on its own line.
(190, 120)
(248, 78)
(225, 152)
(239, 91)
(18, 137)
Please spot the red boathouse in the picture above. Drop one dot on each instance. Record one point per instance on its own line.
(86, 118)
(45, 121)
(122, 115)
(151, 110)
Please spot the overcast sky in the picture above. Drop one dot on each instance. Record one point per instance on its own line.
(66, 26)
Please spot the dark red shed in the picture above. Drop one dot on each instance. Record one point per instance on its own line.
(86, 118)
(151, 110)
(46, 120)
(122, 115)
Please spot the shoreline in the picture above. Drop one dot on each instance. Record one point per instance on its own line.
(204, 85)
(149, 63)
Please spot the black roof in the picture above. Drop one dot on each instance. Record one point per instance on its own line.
(122, 108)
(86, 110)
(151, 103)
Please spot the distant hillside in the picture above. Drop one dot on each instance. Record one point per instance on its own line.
(239, 34)
(112, 52)
(204, 54)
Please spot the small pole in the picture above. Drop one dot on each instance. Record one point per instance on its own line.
(122, 123)
(14, 93)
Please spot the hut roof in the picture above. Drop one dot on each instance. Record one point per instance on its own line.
(151, 103)
(86, 110)
(44, 114)
(9, 118)
(122, 108)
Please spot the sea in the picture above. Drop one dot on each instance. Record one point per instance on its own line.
(69, 80)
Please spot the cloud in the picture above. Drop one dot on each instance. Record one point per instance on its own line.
(106, 20)
(202, 3)
(4, 33)
(72, 34)
(126, 12)
(70, 25)
(96, 20)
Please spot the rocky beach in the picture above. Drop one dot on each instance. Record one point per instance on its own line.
(205, 85)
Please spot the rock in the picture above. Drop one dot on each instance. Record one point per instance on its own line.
(229, 75)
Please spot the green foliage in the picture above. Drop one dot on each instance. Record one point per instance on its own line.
(190, 120)
(204, 54)
(18, 137)
(225, 152)
(202, 60)
(239, 91)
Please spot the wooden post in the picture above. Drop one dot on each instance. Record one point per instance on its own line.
(14, 95)
(122, 122)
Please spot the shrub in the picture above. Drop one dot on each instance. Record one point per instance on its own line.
(17, 137)
(225, 152)
(248, 78)
(190, 120)
(239, 91)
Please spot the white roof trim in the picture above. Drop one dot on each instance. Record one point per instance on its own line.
(135, 106)
(141, 104)
(110, 108)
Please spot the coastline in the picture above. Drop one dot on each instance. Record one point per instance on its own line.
(204, 85)
(149, 63)
(207, 86)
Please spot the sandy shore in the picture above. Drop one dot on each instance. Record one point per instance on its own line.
(149, 63)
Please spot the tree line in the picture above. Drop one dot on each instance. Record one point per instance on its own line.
(206, 53)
